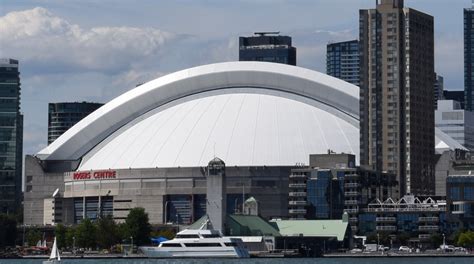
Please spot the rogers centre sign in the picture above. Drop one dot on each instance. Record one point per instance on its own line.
(88, 175)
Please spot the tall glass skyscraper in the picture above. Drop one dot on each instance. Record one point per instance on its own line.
(267, 46)
(469, 58)
(62, 116)
(342, 61)
(11, 137)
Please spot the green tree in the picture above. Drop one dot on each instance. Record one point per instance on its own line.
(466, 239)
(137, 226)
(33, 236)
(403, 238)
(86, 234)
(60, 233)
(8, 230)
(70, 236)
(107, 232)
(436, 240)
(167, 232)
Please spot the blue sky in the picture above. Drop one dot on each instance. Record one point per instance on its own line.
(95, 50)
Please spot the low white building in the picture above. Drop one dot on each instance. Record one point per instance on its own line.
(456, 122)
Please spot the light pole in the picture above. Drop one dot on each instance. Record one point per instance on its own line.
(177, 220)
(166, 212)
(444, 242)
(131, 247)
(378, 241)
(74, 245)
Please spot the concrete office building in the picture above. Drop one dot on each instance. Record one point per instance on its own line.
(150, 146)
(267, 46)
(469, 58)
(62, 116)
(11, 137)
(342, 61)
(456, 122)
(396, 95)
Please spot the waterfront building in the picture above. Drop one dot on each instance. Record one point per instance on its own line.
(460, 192)
(151, 149)
(418, 217)
(267, 46)
(469, 58)
(62, 116)
(396, 94)
(438, 90)
(342, 61)
(11, 137)
(456, 122)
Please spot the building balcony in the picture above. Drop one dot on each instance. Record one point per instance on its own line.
(428, 228)
(297, 194)
(351, 193)
(297, 185)
(351, 202)
(351, 211)
(424, 236)
(353, 219)
(386, 228)
(297, 211)
(297, 202)
(352, 185)
(428, 219)
(354, 228)
(302, 176)
(386, 219)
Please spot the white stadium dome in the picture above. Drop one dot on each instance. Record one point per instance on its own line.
(246, 113)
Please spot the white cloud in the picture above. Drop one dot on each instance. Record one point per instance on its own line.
(36, 36)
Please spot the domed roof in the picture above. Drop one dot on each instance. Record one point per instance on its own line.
(247, 113)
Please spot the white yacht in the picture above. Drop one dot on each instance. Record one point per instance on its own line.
(198, 244)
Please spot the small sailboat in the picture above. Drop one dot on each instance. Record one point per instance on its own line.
(54, 258)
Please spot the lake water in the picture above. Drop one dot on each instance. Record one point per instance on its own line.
(393, 260)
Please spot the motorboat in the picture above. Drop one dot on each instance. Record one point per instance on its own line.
(200, 243)
(54, 258)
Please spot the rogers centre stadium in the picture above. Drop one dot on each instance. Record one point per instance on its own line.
(150, 146)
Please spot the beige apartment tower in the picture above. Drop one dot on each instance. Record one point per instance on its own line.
(396, 95)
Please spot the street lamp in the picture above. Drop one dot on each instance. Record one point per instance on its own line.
(444, 242)
(378, 241)
(177, 220)
(166, 212)
(74, 245)
(131, 247)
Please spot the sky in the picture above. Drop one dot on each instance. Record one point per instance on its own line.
(83, 50)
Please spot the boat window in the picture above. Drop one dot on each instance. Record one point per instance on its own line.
(210, 235)
(202, 244)
(187, 236)
(170, 245)
(231, 244)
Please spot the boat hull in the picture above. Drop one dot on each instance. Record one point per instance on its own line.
(195, 252)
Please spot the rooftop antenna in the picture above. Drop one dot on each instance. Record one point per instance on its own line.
(261, 34)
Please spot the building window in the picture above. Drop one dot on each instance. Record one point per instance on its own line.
(454, 193)
(469, 193)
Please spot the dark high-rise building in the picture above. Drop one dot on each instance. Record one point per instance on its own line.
(267, 46)
(11, 137)
(342, 61)
(396, 95)
(438, 89)
(469, 58)
(456, 96)
(62, 116)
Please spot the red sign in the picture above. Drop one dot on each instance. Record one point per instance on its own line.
(87, 175)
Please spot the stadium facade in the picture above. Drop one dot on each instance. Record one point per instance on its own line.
(149, 147)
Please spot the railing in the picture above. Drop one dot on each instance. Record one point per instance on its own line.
(351, 202)
(297, 202)
(386, 219)
(352, 185)
(408, 209)
(386, 228)
(297, 211)
(299, 194)
(353, 219)
(351, 211)
(297, 185)
(428, 228)
(297, 176)
(428, 219)
(351, 193)
(424, 236)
